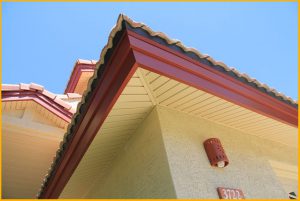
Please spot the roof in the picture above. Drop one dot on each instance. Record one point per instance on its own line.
(141, 29)
(177, 45)
(14, 92)
(81, 67)
(195, 54)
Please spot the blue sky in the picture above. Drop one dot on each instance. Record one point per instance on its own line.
(42, 41)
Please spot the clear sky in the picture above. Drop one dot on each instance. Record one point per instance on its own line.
(42, 41)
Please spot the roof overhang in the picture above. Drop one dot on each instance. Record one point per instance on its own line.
(127, 50)
(157, 58)
(80, 75)
(39, 95)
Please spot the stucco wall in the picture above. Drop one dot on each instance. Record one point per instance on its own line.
(249, 157)
(29, 142)
(140, 169)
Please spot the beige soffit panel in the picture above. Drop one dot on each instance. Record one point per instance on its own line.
(42, 115)
(184, 98)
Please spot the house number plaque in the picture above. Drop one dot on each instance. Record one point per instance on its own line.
(230, 193)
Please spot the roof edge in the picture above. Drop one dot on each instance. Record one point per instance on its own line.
(16, 92)
(86, 95)
(79, 66)
(278, 95)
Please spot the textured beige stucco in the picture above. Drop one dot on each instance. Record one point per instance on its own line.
(249, 156)
(141, 169)
(165, 158)
(29, 143)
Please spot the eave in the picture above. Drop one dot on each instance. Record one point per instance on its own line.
(39, 95)
(127, 50)
(81, 67)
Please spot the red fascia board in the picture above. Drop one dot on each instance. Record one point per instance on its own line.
(44, 101)
(120, 68)
(75, 76)
(134, 51)
(165, 61)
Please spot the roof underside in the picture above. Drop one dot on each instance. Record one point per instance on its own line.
(167, 97)
(57, 104)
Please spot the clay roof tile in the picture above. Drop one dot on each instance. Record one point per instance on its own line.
(73, 95)
(36, 86)
(49, 94)
(10, 87)
(84, 61)
(62, 103)
(24, 86)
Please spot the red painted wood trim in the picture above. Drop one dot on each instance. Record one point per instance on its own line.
(75, 76)
(120, 69)
(165, 61)
(47, 103)
(134, 51)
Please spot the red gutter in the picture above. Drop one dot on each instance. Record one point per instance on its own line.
(134, 51)
(165, 61)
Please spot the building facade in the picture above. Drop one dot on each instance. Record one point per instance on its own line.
(144, 111)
